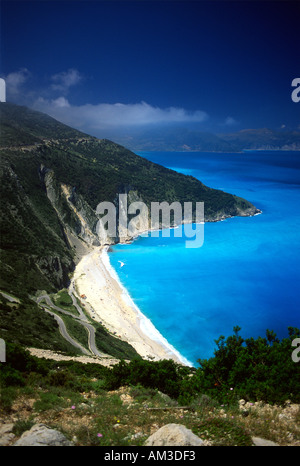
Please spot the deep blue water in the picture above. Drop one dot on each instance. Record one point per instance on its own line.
(246, 273)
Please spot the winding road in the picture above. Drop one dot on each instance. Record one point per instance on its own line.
(81, 319)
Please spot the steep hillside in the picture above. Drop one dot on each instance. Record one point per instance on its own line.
(52, 179)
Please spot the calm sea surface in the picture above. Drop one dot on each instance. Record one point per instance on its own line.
(247, 272)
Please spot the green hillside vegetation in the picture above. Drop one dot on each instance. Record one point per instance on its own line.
(99, 169)
(249, 369)
(26, 325)
(21, 125)
(109, 406)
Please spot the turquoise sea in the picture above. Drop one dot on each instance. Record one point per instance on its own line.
(246, 273)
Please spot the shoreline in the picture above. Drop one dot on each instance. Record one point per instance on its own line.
(109, 303)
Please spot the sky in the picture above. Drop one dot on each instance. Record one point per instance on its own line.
(102, 66)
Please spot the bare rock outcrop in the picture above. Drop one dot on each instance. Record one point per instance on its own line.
(174, 435)
(261, 442)
(42, 436)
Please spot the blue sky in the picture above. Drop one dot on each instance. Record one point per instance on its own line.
(102, 65)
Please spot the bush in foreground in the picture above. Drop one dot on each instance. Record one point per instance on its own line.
(252, 369)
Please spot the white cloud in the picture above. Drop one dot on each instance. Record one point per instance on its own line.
(61, 102)
(15, 81)
(229, 121)
(66, 79)
(103, 115)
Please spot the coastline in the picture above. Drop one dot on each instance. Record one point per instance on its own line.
(108, 302)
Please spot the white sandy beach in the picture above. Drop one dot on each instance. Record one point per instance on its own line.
(108, 302)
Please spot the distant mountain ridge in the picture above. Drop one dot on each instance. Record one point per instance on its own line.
(187, 139)
(264, 139)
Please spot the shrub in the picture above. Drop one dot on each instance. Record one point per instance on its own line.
(260, 369)
(163, 375)
(223, 432)
(7, 397)
(20, 426)
(48, 400)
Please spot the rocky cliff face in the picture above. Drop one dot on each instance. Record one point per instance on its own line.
(30, 246)
(76, 216)
(80, 221)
